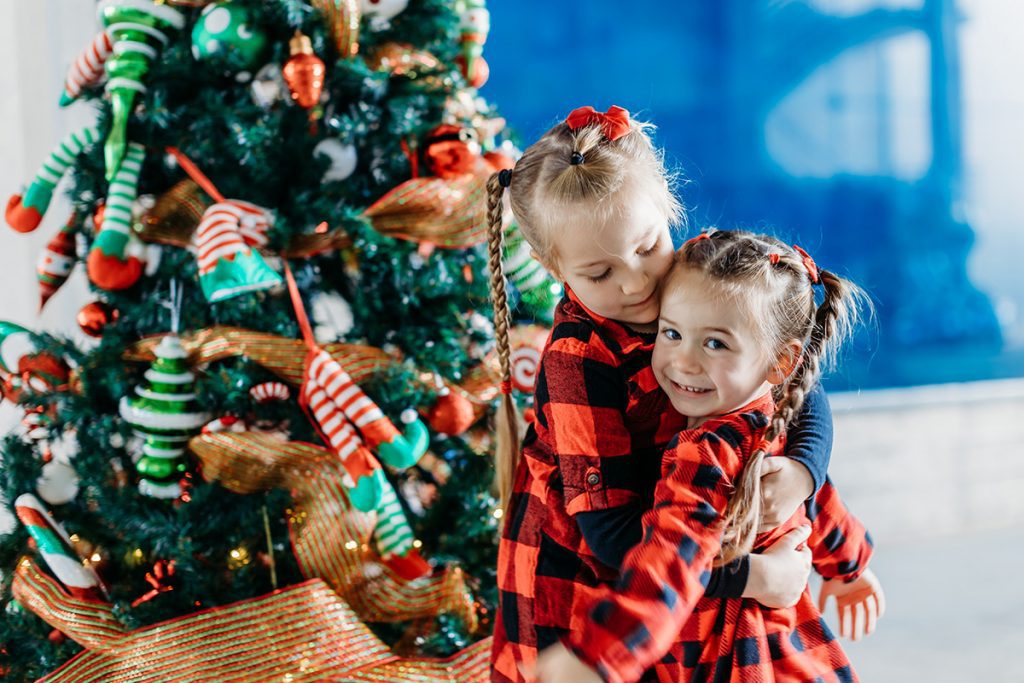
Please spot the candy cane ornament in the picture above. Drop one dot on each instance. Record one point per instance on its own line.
(25, 212)
(55, 547)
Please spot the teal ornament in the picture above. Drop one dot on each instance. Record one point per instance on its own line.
(225, 37)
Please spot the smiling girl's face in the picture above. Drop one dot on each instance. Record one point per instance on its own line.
(615, 265)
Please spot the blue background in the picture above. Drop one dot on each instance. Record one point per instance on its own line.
(837, 125)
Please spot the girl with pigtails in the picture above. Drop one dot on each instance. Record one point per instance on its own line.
(593, 199)
(740, 345)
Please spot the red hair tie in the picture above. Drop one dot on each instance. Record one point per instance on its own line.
(697, 238)
(506, 386)
(809, 264)
(614, 122)
(774, 258)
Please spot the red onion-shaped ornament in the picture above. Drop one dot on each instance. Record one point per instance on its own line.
(304, 72)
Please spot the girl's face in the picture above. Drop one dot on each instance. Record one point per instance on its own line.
(708, 356)
(615, 267)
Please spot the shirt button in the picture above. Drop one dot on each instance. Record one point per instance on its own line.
(593, 479)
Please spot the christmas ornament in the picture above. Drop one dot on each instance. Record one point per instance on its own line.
(451, 151)
(159, 579)
(228, 265)
(56, 261)
(56, 550)
(138, 28)
(226, 37)
(537, 289)
(332, 316)
(452, 414)
(402, 59)
(267, 392)
(268, 86)
(342, 18)
(95, 316)
(24, 368)
(382, 11)
(24, 213)
(343, 158)
(337, 407)
(527, 344)
(447, 212)
(474, 25)
(227, 423)
(87, 69)
(164, 415)
(115, 259)
(304, 72)
(58, 483)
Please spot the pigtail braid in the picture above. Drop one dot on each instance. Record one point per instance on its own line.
(506, 455)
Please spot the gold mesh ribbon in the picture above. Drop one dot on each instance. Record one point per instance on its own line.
(402, 59)
(310, 244)
(302, 633)
(342, 19)
(331, 539)
(175, 216)
(284, 357)
(90, 623)
(448, 212)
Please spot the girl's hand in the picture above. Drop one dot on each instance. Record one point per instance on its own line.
(785, 485)
(778, 576)
(557, 664)
(860, 603)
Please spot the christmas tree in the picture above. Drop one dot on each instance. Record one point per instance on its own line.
(275, 460)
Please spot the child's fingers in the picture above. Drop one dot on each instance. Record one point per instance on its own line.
(855, 623)
(844, 620)
(879, 596)
(871, 607)
(822, 599)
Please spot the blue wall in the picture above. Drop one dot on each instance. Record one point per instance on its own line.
(839, 132)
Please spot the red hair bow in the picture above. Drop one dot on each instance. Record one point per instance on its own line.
(809, 264)
(614, 122)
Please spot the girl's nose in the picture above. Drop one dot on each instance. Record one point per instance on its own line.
(634, 282)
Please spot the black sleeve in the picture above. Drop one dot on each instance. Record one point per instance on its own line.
(611, 533)
(809, 440)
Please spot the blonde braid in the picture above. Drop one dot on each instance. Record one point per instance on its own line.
(506, 455)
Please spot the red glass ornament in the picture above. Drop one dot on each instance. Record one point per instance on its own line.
(92, 318)
(452, 414)
(304, 72)
(449, 151)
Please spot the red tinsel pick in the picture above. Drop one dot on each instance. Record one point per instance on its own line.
(162, 571)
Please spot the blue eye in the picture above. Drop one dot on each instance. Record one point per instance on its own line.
(715, 344)
(671, 334)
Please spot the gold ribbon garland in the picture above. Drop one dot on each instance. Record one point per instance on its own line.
(304, 632)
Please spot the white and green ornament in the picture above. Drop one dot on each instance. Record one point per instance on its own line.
(342, 156)
(226, 37)
(165, 416)
(380, 12)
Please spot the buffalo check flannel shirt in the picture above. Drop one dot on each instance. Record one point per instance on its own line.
(657, 621)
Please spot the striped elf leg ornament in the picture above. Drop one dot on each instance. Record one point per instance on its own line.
(228, 266)
(226, 239)
(137, 27)
(114, 260)
(25, 212)
(331, 400)
(88, 68)
(80, 580)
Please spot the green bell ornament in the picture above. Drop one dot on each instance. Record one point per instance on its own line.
(225, 37)
(165, 415)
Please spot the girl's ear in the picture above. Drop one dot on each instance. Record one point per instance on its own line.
(550, 267)
(786, 362)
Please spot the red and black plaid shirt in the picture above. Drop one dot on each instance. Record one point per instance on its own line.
(657, 615)
(601, 425)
